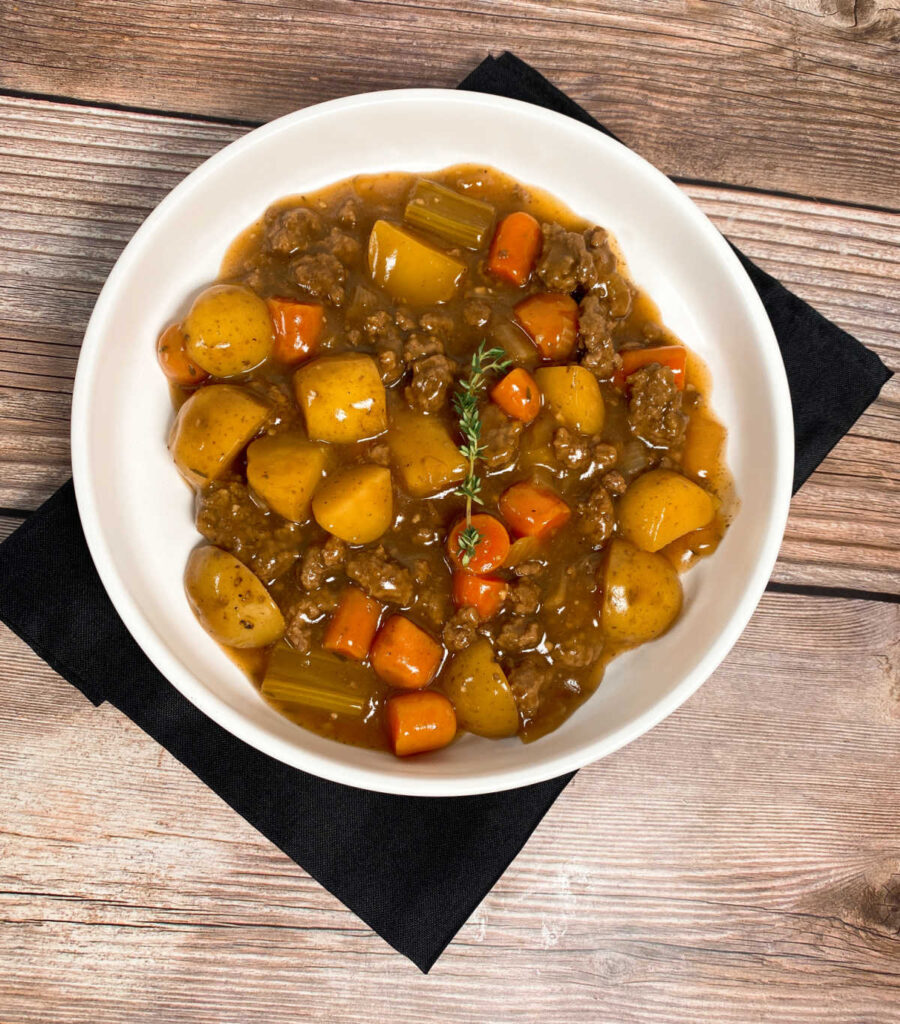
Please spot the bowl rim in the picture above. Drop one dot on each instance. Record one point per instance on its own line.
(326, 766)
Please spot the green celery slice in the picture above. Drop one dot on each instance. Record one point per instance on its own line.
(455, 218)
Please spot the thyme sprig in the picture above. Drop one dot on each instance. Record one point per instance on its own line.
(485, 361)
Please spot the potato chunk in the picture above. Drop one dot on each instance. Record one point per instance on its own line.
(228, 330)
(342, 398)
(661, 506)
(211, 428)
(356, 504)
(641, 594)
(229, 601)
(424, 454)
(481, 695)
(572, 392)
(284, 470)
(408, 269)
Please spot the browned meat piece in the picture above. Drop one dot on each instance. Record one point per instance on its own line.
(524, 596)
(348, 214)
(654, 407)
(569, 259)
(431, 377)
(597, 517)
(404, 320)
(320, 561)
(614, 482)
(527, 679)
(518, 634)
(228, 517)
(380, 576)
(288, 231)
(500, 436)
(533, 568)
(433, 604)
(419, 345)
(299, 634)
(322, 275)
(379, 453)
(570, 449)
(425, 524)
(604, 456)
(313, 606)
(344, 247)
(600, 356)
(382, 332)
(437, 322)
(461, 629)
(477, 312)
(390, 366)
(578, 650)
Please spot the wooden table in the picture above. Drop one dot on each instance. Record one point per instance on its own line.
(739, 863)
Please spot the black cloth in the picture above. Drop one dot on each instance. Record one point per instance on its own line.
(412, 868)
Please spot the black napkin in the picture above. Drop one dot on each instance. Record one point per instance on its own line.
(412, 868)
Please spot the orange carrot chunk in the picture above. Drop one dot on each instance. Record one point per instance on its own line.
(405, 655)
(673, 356)
(533, 511)
(174, 361)
(515, 248)
(420, 721)
(518, 395)
(483, 593)
(550, 319)
(298, 326)
(353, 626)
(491, 549)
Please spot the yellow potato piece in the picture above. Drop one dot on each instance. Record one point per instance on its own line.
(641, 594)
(211, 428)
(356, 504)
(229, 601)
(572, 392)
(661, 506)
(342, 398)
(228, 330)
(704, 444)
(480, 693)
(424, 454)
(284, 470)
(408, 269)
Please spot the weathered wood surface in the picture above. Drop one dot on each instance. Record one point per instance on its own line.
(791, 95)
(76, 183)
(739, 863)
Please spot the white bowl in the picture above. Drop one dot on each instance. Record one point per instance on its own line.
(137, 512)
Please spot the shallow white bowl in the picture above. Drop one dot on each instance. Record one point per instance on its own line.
(137, 512)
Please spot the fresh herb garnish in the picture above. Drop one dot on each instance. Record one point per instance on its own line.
(465, 401)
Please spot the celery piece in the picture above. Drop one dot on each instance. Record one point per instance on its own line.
(317, 680)
(455, 218)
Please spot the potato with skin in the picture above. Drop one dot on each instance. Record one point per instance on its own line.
(342, 398)
(229, 601)
(661, 506)
(228, 330)
(641, 594)
(356, 503)
(572, 392)
(211, 428)
(408, 269)
(480, 693)
(424, 454)
(284, 470)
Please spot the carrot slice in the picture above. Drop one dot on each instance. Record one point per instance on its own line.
(518, 395)
(533, 511)
(174, 361)
(485, 594)
(420, 721)
(550, 319)
(491, 549)
(353, 626)
(405, 655)
(298, 326)
(673, 356)
(515, 247)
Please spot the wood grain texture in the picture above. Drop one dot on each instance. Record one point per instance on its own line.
(739, 863)
(75, 184)
(790, 95)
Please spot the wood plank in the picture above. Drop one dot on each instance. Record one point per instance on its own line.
(762, 94)
(69, 229)
(7, 525)
(740, 862)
